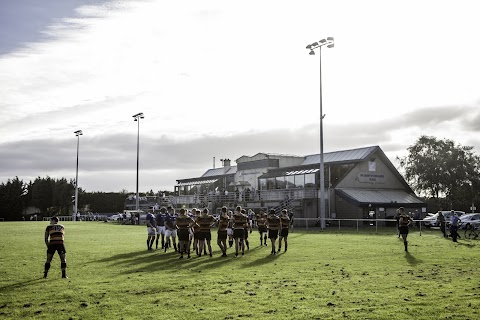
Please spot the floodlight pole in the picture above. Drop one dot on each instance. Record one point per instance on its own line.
(137, 118)
(330, 43)
(78, 133)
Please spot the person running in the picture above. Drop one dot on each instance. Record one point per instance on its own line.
(160, 220)
(273, 223)
(284, 225)
(151, 230)
(54, 240)
(239, 222)
(261, 222)
(205, 221)
(404, 222)
(170, 230)
(222, 231)
(183, 223)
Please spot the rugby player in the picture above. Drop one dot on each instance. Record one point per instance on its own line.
(170, 230)
(247, 227)
(404, 222)
(273, 223)
(205, 221)
(284, 225)
(160, 220)
(151, 230)
(230, 229)
(239, 222)
(54, 240)
(183, 223)
(261, 220)
(222, 231)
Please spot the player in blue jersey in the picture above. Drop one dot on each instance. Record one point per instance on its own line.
(151, 230)
(170, 229)
(160, 219)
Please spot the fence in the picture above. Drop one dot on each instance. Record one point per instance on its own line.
(347, 223)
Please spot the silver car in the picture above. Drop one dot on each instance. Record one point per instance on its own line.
(431, 220)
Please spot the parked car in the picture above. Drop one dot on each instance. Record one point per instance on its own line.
(431, 220)
(471, 218)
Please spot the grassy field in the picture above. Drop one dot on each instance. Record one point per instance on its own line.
(324, 275)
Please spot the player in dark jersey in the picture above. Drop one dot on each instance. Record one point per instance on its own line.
(284, 225)
(273, 223)
(54, 240)
(183, 223)
(261, 220)
(151, 230)
(205, 221)
(222, 231)
(230, 229)
(247, 228)
(239, 223)
(160, 219)
(404, 222)
(170, 229)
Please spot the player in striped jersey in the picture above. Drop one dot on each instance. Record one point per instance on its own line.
(273, 223)
(222, 231)
(183, 224)
(284, 225)
(54, 240)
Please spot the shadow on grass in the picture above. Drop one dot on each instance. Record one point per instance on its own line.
(23, 284)
(411, 259)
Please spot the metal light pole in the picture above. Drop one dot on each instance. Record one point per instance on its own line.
(137, 118)
(329, 43)
(78, 133)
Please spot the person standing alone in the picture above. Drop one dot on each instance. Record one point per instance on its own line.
(54, 240)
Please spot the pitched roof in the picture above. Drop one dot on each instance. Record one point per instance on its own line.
(379, 197)
(341, 156)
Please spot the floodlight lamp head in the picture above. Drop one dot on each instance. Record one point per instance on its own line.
(140, 114)
(309, 46)
(312, 53)
(78, 133)
(323, 41)
(330, 38)
(330, 45)
(314, 44)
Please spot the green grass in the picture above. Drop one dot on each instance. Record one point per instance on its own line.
(324, 275)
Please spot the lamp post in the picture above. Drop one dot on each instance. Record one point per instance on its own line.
(78, 133)
(137, 118)
(318, 45)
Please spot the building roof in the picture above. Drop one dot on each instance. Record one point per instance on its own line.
(220, 171)
(361, 197)
(352, 155)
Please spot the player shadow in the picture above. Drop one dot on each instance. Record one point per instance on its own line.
(22, 284)
(411, 259)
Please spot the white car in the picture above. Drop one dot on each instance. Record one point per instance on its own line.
(431, 220)
(471, 218)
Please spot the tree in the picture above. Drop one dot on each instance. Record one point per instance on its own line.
(442, 169)
(12, 199)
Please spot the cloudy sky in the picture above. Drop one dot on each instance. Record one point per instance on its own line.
(224, 79)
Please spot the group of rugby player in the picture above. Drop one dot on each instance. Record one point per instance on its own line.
(194, 227)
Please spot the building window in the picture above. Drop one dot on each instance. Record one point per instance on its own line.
(290, 182)
(310, 180)
(300, 181)
(280, 182)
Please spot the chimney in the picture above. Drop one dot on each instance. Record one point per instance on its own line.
(226, 162)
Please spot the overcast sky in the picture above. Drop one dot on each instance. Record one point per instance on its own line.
(224, 79)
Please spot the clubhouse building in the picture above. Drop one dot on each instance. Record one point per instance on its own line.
(359, 184)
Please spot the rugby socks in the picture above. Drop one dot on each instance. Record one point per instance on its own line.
(63, 265)
(230, 243)
(406, 245)
(248, 246)
(156, 244)
(47, 267)
(286, 247)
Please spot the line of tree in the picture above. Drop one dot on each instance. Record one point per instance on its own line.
(444, 173)
(48, 197)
